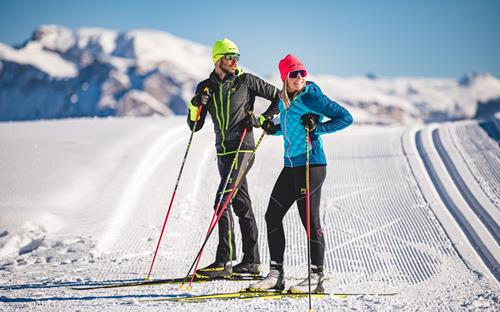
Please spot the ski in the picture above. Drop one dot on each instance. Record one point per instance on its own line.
(248, 295)
(242, 295)
(197, 279)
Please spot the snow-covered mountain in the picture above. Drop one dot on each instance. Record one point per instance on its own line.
(407, 100)
(410, 100)
(97, 72)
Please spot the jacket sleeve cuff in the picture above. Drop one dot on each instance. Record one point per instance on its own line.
(262, 118)
(193, 111)
(320, 129)
(278, 130)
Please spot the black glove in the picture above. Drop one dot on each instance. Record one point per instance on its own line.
(309, 121)
(249, 122)
(269, 127)
(202, 98)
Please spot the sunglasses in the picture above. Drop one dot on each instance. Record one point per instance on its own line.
(295, 74)
(232, 56)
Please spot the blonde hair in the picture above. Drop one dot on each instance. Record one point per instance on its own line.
(284, 94)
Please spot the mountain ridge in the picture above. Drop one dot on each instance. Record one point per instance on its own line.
(61, 73)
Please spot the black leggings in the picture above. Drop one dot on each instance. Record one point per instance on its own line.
(290, 187)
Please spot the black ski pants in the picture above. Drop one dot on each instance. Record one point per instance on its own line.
(242, 207)
(289, 188)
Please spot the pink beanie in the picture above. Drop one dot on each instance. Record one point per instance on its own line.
(289, 64)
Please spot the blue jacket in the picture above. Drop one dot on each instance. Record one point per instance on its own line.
(310, 100)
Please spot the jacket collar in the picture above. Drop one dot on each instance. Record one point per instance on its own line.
(304, 91)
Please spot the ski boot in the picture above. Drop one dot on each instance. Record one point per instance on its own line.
(274, 281)
(317, 279)
(216, 269)
(247, 269)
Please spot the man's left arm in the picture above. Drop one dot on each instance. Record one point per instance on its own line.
(261, 88)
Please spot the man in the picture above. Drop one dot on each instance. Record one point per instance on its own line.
(228, 95)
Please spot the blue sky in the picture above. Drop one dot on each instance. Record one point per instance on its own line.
(441, 38)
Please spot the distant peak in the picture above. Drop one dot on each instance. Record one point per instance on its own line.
(54, 37)
(470, 78)
(371, 75)
(44, 31)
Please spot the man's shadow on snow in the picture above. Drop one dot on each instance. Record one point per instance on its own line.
(68, 284)
(24, 300)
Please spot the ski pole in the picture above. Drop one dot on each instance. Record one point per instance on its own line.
(222, 193)
(206, 90)
(228, 177)
(308, 218)
(212, 223)
(228, 199)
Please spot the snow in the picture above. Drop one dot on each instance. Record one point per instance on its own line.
(145, 98)
(54, 38)
(83, 200)
(102, 39)
(34, 54)
(483, 86)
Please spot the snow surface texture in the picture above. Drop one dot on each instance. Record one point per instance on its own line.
(98, 72)
(84, 200)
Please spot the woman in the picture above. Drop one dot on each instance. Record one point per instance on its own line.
(302, 106)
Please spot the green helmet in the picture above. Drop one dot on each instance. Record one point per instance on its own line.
(222, 47)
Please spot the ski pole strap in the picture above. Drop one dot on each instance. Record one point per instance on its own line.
(195, 111)
(207, 91)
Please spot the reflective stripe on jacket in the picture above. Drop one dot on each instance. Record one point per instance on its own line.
(231, 100)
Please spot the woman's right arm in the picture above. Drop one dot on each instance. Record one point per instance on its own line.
(340, 117)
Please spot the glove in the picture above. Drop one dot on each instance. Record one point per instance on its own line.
(309, 121)
(249, 122)
(269, 127)
(203, 97)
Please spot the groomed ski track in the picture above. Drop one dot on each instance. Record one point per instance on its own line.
(403, 210)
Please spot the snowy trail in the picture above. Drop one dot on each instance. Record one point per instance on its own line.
(394, 240)
(458, 199)
(386, 228)
(481, 205)
(153, 157)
